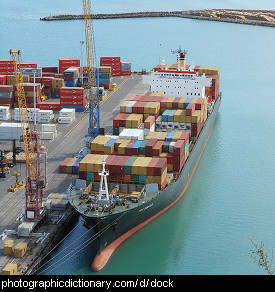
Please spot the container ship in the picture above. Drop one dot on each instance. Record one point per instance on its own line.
(136, 174)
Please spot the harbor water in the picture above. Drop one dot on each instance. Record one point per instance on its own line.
(231, 195)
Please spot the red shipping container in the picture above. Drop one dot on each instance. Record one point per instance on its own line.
(149, 147)
(49, 69)
(117, 119)
(150, 169)
(149, 122)
(190, 109)
(170, 158)
(129, 146)
(184, 136)
(7, 101)
(175, 102)
(6, 88)
(123, 73)
(3, 79)
(49, 105)
(160, 166)
(157, 148)
(47, 80)
(109, 160)
(163, 102)
(179, 147)
(28, 65)
(127, 178)
(62, 165)
(199, 104)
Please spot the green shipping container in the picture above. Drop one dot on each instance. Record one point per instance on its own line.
(141, 148)
(128, 165)
(165, 146)
(142, 179)
(89, 175)
(135, 177)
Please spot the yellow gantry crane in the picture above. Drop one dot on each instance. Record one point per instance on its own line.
(93, 73)
(35, 182)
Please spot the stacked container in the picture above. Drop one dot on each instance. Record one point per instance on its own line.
(4, 113)
(31, 114)
(10, 131)
(48, 131)
(105, 76)
(66, 115)
(30, 89)
(45, 116)
(73, 97)
(113, 62)
(139, 170)
(6, 95)
(71, 76)
(6, 66)
(65, 63)
(125, 68)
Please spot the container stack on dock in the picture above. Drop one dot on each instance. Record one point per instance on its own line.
(6, 95)
(118, 68)
(73, 97)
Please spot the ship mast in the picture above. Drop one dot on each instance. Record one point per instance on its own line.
(103, 196)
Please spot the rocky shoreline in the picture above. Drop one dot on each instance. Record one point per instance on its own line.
(251, 17)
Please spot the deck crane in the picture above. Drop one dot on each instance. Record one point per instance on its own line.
(93, 74)
(35, 181)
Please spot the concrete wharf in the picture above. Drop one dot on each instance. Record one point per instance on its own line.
(70, 139)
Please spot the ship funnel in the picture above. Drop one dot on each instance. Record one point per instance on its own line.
(180, 58)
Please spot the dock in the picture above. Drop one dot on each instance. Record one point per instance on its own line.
(56, 224)
(240, 16)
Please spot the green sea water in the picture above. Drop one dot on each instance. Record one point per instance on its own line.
(231, 195)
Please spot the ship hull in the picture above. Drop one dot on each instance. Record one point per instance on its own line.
(113, 229)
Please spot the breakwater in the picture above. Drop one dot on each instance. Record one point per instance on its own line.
(250, 17)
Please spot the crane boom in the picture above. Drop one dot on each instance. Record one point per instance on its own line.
(93, 79)
(35, 182)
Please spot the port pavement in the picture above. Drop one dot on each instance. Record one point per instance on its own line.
(70, 139)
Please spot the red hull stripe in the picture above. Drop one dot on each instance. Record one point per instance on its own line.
(102, 258)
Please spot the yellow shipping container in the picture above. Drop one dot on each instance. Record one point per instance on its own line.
(170, 167)
(11, 79)
(144, 164)
(20, 249)
(104, 69)
(119, 141)
(8, 247)
(169, 102)
(57, 83)
(176, 136)
(123, 106)
(121, 148)
(10, 269)
(181, 102)
(83, 163)
(69, 166)
(196, 117)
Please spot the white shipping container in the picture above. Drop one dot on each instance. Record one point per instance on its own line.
(10, 131)
(4, 109)
(129, 106)
(171, 147)
(65, 120)
(48, 127)
(5, 116)
(67, 112)
(47, 135)
(45, 113)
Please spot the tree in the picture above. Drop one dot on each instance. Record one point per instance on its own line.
(261, 257)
